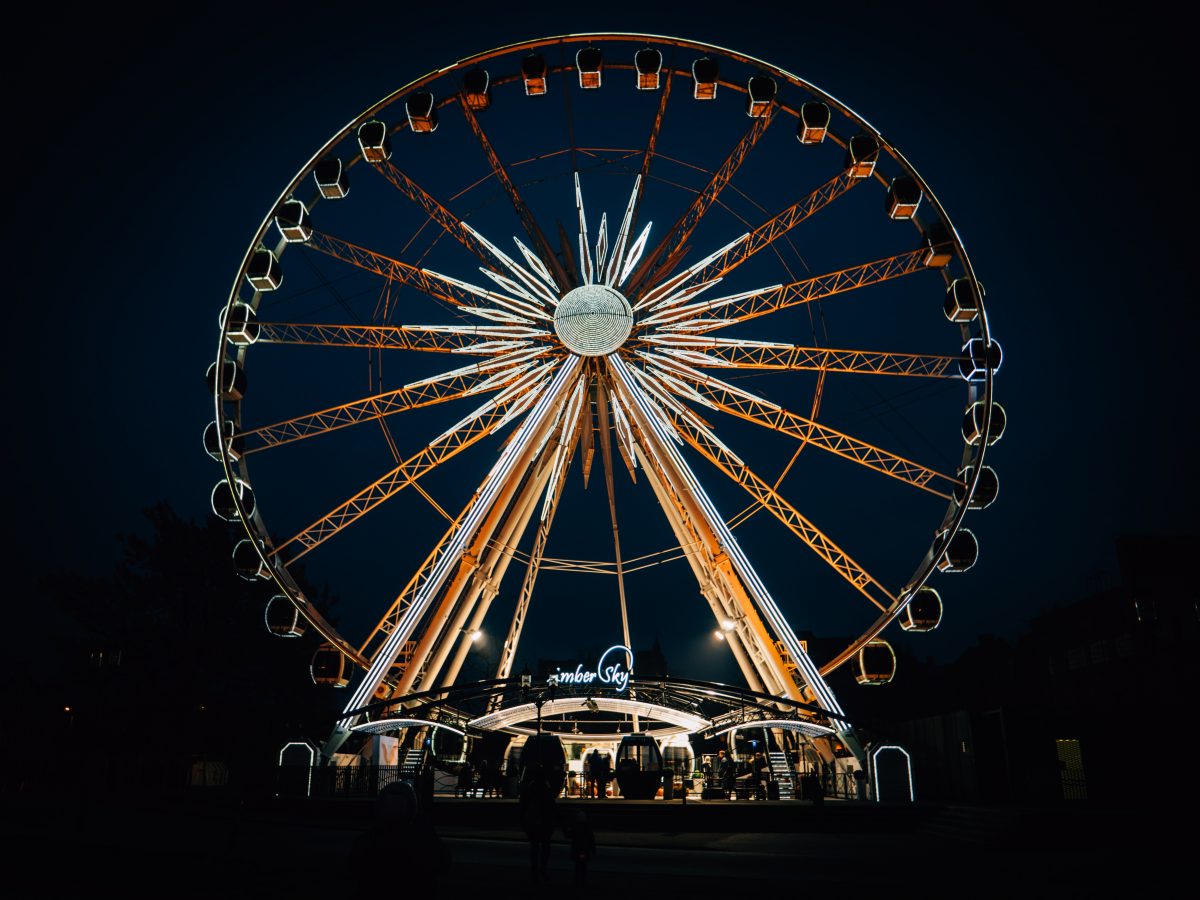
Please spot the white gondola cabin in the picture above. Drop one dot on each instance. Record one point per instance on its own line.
(962, 300)
(374, 142)
(974, 419)
(959, 554)
(648, 63)
(903, 197)
(862, 152)
(283, 617)
(293, 221)
(875, 663)
(760, 96)
(330, 667)
(588, 62)
(247, 561)
(704, 78)
(422, 112)
(222, 499)
(533, 72)
(475, 92)
(813, 122)
(214, 439)
(939, 245)
(923, 612)
(233, 380)
(333, 181)
(264, 271)
(978, 357)
(987, 488)
(243, 324)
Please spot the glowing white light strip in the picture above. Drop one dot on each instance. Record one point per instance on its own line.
(513, 266)
(621, 426)
(382, 725)
(524, 303)
(753, 583)
(453, 551)
(521, 384)
(507, 363)
(538, 267)
(679, 280)
(511, 286)
(679, 313)
(572, 418)
(912, 796)
(812, 729)
(602, 242)
(693, 420)
(635, 253)
(312, 761)
(688, 293)
(615, 262)
(585, 252)
(678, 367)
(503, 718)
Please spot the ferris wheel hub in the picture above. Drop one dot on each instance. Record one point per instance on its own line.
(593, 320)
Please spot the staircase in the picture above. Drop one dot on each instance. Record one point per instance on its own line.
(782, 772)
(414, 763)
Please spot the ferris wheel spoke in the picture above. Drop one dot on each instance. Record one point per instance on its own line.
(540, 244)
(476, 340)
(752, 304)
(777, 226)
(725, 397)
(663, 256)
(765, 496)
(758, 597)
(503, 477)
(449, 222)
(477, 425)
(651, 146)
(456, 384)
(732, 353)
(465, 296)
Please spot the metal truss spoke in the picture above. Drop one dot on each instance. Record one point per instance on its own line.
(760, 597)
(507, 471)
(449, 222)
(541, 245)
(728, 462)
(453, 385)
(751, 305)
(776, 227)
(563, 454)
(674, 241)
(651, 147)
(719, 395)
(482, 340)
(474, 427)
(441, 287)
(731, 353)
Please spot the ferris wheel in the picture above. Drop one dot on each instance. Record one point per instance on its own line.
(738, 246)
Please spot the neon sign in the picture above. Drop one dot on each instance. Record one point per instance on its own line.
(611, 670)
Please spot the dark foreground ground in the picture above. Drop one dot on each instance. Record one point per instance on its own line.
(216, 846)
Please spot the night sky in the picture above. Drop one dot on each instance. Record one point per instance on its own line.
(1055, 143)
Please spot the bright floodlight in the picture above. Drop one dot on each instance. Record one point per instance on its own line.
(593, 320)
(719, 635)
(476, 635)
(727, 625)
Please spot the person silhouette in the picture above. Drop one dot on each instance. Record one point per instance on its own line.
(583, 845)
(537, 818)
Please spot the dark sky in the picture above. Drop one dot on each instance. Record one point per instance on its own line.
(1055, 142)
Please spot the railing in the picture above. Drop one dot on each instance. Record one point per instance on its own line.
(338, 781)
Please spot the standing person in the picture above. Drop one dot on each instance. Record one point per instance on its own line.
(602, 765)
(466, 779)
(591, 768)
(537, 818)
(583, 845)
(726, 769)
(759, 767)
(484, 782)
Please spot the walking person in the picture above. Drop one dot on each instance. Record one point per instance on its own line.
(537, 818)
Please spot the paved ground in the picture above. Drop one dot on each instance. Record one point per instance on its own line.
(190, 849)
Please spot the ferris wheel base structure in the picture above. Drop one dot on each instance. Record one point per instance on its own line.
(623, 338)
